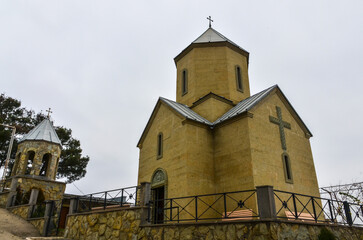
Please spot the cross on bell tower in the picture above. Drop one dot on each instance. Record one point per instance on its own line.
(49, 112)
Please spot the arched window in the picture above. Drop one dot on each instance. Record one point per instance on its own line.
(184, 82)
(239, 78)
(45, 162)
(29, 162)
(160, 146)
(287, 168)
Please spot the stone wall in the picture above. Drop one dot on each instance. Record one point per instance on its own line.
(21, 211)
(3, 199)
(52, 190)
(125, 224)
(116, 224)
(38, 223)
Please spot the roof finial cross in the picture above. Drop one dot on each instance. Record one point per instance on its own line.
(210, 21)
(49, 112)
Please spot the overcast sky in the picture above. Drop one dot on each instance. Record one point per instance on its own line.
(101, 66)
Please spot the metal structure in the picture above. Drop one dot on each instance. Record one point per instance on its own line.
(123, 197)
(202, 207)
(3, 178)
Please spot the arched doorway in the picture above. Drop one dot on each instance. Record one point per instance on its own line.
(159, 189)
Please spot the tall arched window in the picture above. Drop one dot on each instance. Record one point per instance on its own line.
(160, 146)
(287, 168)
(184, 82)
(29, 162)
(45, 162)
(239, 78)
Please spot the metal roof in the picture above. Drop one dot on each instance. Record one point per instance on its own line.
(185, 111)
(43, 132)
(245, 105)
(211, 35)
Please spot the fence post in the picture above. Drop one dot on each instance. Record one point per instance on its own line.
(47, 216)
(348, 215)
(73, 205)
(32, 201)
(145, 197)
(266, 202)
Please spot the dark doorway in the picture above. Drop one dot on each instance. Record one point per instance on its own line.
(159, 196)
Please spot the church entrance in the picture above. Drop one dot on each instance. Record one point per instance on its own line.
(159, 196)
(159, 190)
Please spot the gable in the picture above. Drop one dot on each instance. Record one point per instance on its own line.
(255, 101)
(175, 109)
(212, 106)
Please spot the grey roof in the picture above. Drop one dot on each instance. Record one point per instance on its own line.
(244, 105)
(44, 131)
(211, 35)
(185, 111)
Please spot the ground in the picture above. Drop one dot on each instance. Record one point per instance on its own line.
(13, 227)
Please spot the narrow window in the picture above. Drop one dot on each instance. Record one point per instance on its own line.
(29, 162)
(45, 163)
(287, 168)
(239, 79)
(184, 82)
(160, 146)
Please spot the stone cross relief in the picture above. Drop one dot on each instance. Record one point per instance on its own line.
(282, 124)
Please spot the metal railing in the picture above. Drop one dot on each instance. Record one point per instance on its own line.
(220, 206)
(293, 206)
(123, 197)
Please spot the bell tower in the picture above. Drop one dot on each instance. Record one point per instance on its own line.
(212, 64)
(35, 167)
(38, 152)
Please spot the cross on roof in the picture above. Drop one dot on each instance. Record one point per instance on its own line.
(282, 124)
(210, 21)
(49, 112)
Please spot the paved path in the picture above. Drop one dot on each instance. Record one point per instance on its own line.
(13, 227)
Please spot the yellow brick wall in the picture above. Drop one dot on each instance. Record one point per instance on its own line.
(212, 69)
(187, 154)
(211, 109)
(267, 152)
(174, 151)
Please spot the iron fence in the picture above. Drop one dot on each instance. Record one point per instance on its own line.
(123, 197)
(293, 206)
(229, 206)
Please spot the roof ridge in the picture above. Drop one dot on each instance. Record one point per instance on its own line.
(245, 105)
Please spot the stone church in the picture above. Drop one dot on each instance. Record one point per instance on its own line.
(217, 137)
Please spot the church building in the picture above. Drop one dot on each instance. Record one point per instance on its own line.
(217, 137)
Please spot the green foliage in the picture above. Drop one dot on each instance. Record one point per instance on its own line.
(72, 165)
(325, 234)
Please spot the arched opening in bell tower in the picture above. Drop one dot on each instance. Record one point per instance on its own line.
(29, 162)
(45, 163)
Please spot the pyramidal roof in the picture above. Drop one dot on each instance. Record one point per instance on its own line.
(211, 35)
(44, 131)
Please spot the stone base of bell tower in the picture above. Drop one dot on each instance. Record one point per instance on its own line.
(22, 186)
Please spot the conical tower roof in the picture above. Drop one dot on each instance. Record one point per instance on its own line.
(44, 131)
(211, 35)
(213, 38)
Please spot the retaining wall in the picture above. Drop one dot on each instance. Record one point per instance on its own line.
(126, 224)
